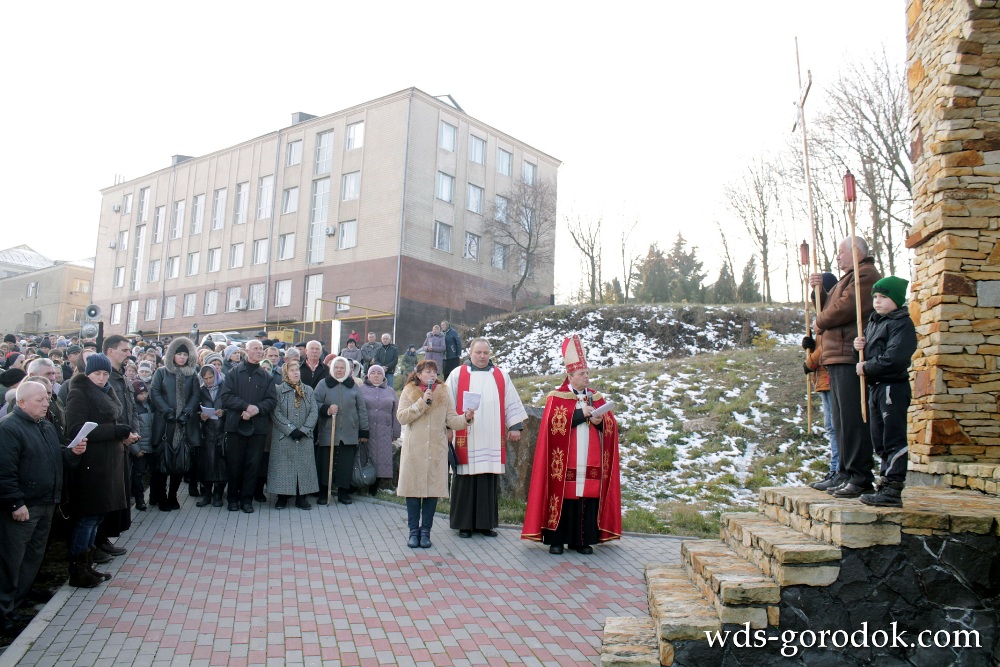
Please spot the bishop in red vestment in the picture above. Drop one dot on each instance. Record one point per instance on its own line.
(575, 494)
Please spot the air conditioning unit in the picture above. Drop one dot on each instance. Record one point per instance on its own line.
(116, 207)
(330, 231)
(112, 245)
(241, 304)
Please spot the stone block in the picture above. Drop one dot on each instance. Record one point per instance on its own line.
(859, 536)
(630, 641)
(955, 284)
(800, 554)
(806, 575)
(988, 293)
(945, 432)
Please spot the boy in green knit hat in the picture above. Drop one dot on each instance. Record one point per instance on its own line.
(889, 343)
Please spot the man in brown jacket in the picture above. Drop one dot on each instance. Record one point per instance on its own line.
(837, 326)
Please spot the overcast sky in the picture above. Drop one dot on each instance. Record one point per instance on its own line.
(652, 107)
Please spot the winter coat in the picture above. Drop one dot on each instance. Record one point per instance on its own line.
(244, 386)
(292, 466)
(387, 357)
(452, 344)
(98, 484)
(163, 395)
(423, 461)
(212, 455)
(890, 341)
(838, 319)
(353, 355)
(352, 413)
(408, 362)
(434, 346)
(368, 351)
(126, 399)
(31, 462)
(145, 414)
(383, 425)
(821, 379)
(310, 377)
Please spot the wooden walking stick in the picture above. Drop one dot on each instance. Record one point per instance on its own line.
(851, 201)
(329, 472)
(804, 261)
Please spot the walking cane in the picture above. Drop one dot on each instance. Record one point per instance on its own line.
(851, 200)
(329, 472)
(804, 261)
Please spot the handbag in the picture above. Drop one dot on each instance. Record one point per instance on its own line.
(363, 474)
(176, 458)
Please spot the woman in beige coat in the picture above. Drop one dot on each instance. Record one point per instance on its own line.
(426, 408)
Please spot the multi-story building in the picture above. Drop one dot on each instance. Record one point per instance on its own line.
(51, 299)
(381, 208)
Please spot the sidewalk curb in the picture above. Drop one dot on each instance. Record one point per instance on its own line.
(13, 653)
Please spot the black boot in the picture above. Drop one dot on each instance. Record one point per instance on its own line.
(344, 496)
(193, 490)
(414, 541)
(887, 494)
(79, 575)
(104, 576)
(425, 538)
(217, 494)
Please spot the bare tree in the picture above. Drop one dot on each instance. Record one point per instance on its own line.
(725, 248)
(587, 237)
(630, 260)
(755, 200)
(523, 221)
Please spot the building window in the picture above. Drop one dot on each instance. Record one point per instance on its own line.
(31, 290)
(116, 313)
(119, 276)
(193, 263)
(294, 153)
(445, 186)
(316, 250)
(153, 272)
(442, 236)
(449, 137)
(343, 303)
(214, 259)
(528, 173)
(127, 204)
(133, 316)
(232, 297)
(143, 216)
(505, 160)
(348, 235)
(240, 205)
(499, 260)
(500, 209)
(169, 307)
(140, 246)
(324, 153)
(173, 266)
(350, 186)
(290, 200)
(256, 297)
(235, 255)
(260, 251)
(178, 222)
(197, 214)
(189, 301)
(82, 286)
(474, 201)
(123, 240)
(471, 246)
(219, 209)
(159, 216)
(477, 149)
(211, 302)
(265, 197)
(282, 293)
(314, 290)
(355, 135)
(151, 306)
(286, 246)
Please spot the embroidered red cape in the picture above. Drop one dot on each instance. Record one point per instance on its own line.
(555, 436)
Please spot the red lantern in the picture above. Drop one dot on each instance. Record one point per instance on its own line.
(850, 193)
(804, 253)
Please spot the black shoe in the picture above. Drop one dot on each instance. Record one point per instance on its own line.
(141, 505)
(260, 497)
(206, 499)
(556, 549)
(194, 491)
(465, 533)
(321, 500)
(829, 482)
(302, 503)
(247, 508)
(344, 497)
(281, 503)
(851, 490)
(100, 557)
(425, 538)
(234, 507)
(887, 494)
(217, 500)
(107, 547)
(373, 489)
(488, 532)
(586, 551)
(414, 541)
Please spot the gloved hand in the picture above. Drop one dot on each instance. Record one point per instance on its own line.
(169, 416)
(182, 418)
(808, 343)
(122, 431)
(296, 435)
(806, 369)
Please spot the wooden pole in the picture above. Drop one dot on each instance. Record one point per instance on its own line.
(852, 206)
(804, 262)
(805, 157)
(329, 472)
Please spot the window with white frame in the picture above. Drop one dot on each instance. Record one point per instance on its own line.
(260, 251)
(442, 236)
(314, 290)
(499, 260)
(193, 263)
(265, 197)
(343, 303)
(119, 276)
(169, 307)
(290, 200)
(173, 266)
(294, 154)
(286, 246)
(324, 153)
(178, 222)
(471, 246)
(189, 304)
(235, 255)
(143, 217)
(133, 316)
(474, 200)
(316, 250)
(350, 186)
(159, 218)
(477, 149)
(241, 203)
(348, 237)
(500, 209)
(355, 135)
(31, 290)
(233, 295)
(116, 313)
(528, 173)
(151, 306)
(211, 302)
(123, 240)
(282, 293)
(505, 160)
(81, 286)
(445, 187)
(127, 204)
(255, 299)
(449, 137)
(153, 272)
(214, 259)
(219, 209)
(138, 249)
(197, 214)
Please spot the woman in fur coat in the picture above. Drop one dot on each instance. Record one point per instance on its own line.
(175, 392)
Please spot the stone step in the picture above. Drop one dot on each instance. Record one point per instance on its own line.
(630, 641)
(677, 606)
(739, 590)
(788, 556)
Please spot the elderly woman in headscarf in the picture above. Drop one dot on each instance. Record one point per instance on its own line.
(383, 426)
(174, 392)
(339, 399)
(211, 461)
(231, 358)
(292, 468)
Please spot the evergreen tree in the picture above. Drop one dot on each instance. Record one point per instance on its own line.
(685, 273)
(749, 290)
(724, 289)
(653, 279)
(613, 291)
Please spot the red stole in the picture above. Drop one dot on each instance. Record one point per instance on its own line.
(548, 475)
(462, 437)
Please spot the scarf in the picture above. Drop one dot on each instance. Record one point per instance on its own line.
(300, 393)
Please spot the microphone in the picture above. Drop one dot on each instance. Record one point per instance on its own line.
(431, 387)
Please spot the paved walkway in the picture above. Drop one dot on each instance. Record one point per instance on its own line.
(337, 586)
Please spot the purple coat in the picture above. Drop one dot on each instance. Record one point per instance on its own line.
(383, 426)
(434, 346)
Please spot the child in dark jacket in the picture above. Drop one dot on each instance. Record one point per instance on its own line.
(889, 343)
(141, 449)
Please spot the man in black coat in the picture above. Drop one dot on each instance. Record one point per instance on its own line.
(387, 356)
(249, 397)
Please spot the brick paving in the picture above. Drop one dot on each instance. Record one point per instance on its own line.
(337, 586)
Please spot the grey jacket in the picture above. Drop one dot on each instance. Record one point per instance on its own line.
(352, 413)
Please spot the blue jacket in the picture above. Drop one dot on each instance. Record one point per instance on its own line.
(452, 344)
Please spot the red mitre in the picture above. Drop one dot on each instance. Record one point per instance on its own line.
(573, 355)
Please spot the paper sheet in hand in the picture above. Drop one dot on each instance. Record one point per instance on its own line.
(208, 412)
(84, 430)
(471, 400)
(599, 412)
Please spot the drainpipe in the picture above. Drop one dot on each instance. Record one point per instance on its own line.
(270, 229)
(402, 217)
